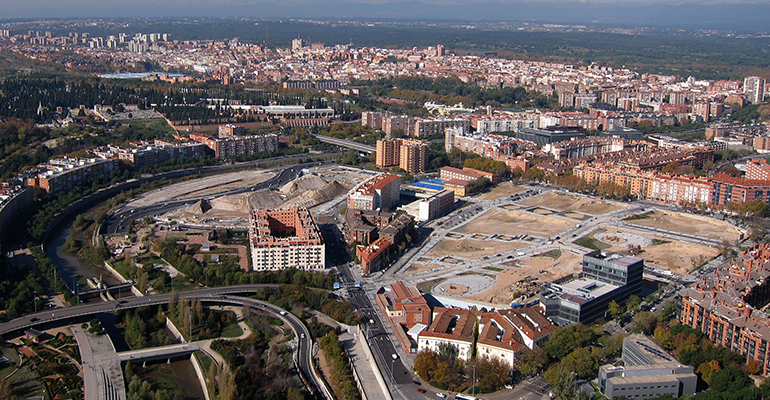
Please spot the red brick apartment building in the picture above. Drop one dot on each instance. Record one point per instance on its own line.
(727, 305)
(380, 192)
(409, 155)
(287, 238)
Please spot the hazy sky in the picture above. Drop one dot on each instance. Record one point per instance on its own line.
(707, 13)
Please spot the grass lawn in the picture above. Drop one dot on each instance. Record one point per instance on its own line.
(590, 242)
(494, 269)
(231, 330)
(155, 123)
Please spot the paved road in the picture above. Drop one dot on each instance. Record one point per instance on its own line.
(346, 143)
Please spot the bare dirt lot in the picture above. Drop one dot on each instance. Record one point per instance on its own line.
(505, 284)
(571, 202)
(470, 248)
(420, 267)
(667, 254)
(516, 223)
(689, 224)
(501, 190)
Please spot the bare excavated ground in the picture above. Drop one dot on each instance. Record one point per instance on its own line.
(571, 202)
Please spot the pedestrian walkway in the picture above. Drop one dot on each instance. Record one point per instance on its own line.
(102, 375)
(365, 367)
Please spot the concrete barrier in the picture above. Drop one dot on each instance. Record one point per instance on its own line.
(170, 325)
(201, 378)
(375, 368)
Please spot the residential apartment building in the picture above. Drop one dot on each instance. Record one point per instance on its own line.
(647, 372)
(381, 192)
(409, 155)
(374, 119)
(398, 125)
(287, 238)
(541, 137)
(432, 126)
(413, 157)
(502, 123)
(237, 145)
(64, 174)
(159, 152)
(374, 256)
(758, 170)
(727, 305)
(230, 130)
(728, 189)
(754, 89)
(605, 277)
(14, 202)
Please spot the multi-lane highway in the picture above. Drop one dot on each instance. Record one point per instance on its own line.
(394, 372)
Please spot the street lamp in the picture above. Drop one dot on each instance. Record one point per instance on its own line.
(392, 366)
(35, 301)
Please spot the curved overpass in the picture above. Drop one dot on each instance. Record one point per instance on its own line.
(217, 295)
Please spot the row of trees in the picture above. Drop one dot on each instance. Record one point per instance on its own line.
(297, 297)
(144, 327)
(259, 371)
(447, 372)
(341, 377)
(453, 91)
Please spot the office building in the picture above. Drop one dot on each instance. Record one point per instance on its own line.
(647, 372)
(605, 277)
(437, 205)
(283, 239)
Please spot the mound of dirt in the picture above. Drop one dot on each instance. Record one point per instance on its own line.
(303, 184)
(198, 208)
(264, 198)
(317, 196)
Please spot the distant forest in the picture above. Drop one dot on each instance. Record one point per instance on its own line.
(711, 57)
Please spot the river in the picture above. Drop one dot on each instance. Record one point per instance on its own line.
(69, 265)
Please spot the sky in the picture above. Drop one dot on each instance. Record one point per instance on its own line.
(721, 14)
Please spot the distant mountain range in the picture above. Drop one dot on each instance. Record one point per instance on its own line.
(722, 16)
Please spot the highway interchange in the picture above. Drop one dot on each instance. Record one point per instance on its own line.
(216, 295)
